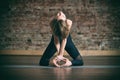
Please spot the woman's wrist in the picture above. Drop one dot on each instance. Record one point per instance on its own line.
(60, 57)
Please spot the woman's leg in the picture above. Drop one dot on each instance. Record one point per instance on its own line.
(73, 52)
(49, 52)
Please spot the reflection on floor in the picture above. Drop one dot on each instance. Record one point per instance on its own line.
(27, 68)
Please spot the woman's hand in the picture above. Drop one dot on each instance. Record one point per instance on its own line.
(55, 62)
(67, 63)
(61, 61)
(60, 57)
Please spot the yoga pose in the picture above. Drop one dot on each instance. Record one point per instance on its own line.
(60, 41)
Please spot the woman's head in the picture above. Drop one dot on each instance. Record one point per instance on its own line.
(61, 16)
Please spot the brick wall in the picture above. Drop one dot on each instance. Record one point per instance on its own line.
(24, 24)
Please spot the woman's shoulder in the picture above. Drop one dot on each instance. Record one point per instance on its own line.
(69, 22)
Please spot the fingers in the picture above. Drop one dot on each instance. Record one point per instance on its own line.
(60, 57)
(64, 62)
(68, 63)
(55, 63)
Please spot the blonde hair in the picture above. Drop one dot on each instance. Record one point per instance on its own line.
(59, 28)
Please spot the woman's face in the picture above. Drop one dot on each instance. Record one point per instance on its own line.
(61, 16)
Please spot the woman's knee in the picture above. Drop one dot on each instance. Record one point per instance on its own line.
(77, 62)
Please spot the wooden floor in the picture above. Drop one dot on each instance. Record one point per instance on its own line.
(27, 68)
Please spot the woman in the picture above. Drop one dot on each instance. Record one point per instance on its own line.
(60, 41)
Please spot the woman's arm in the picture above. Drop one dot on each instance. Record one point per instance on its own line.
(69, 23)
(64, 40)
(60, 55)
(62, 47)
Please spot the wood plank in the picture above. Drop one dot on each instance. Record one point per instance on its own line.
(27, 68)
(83, 52)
